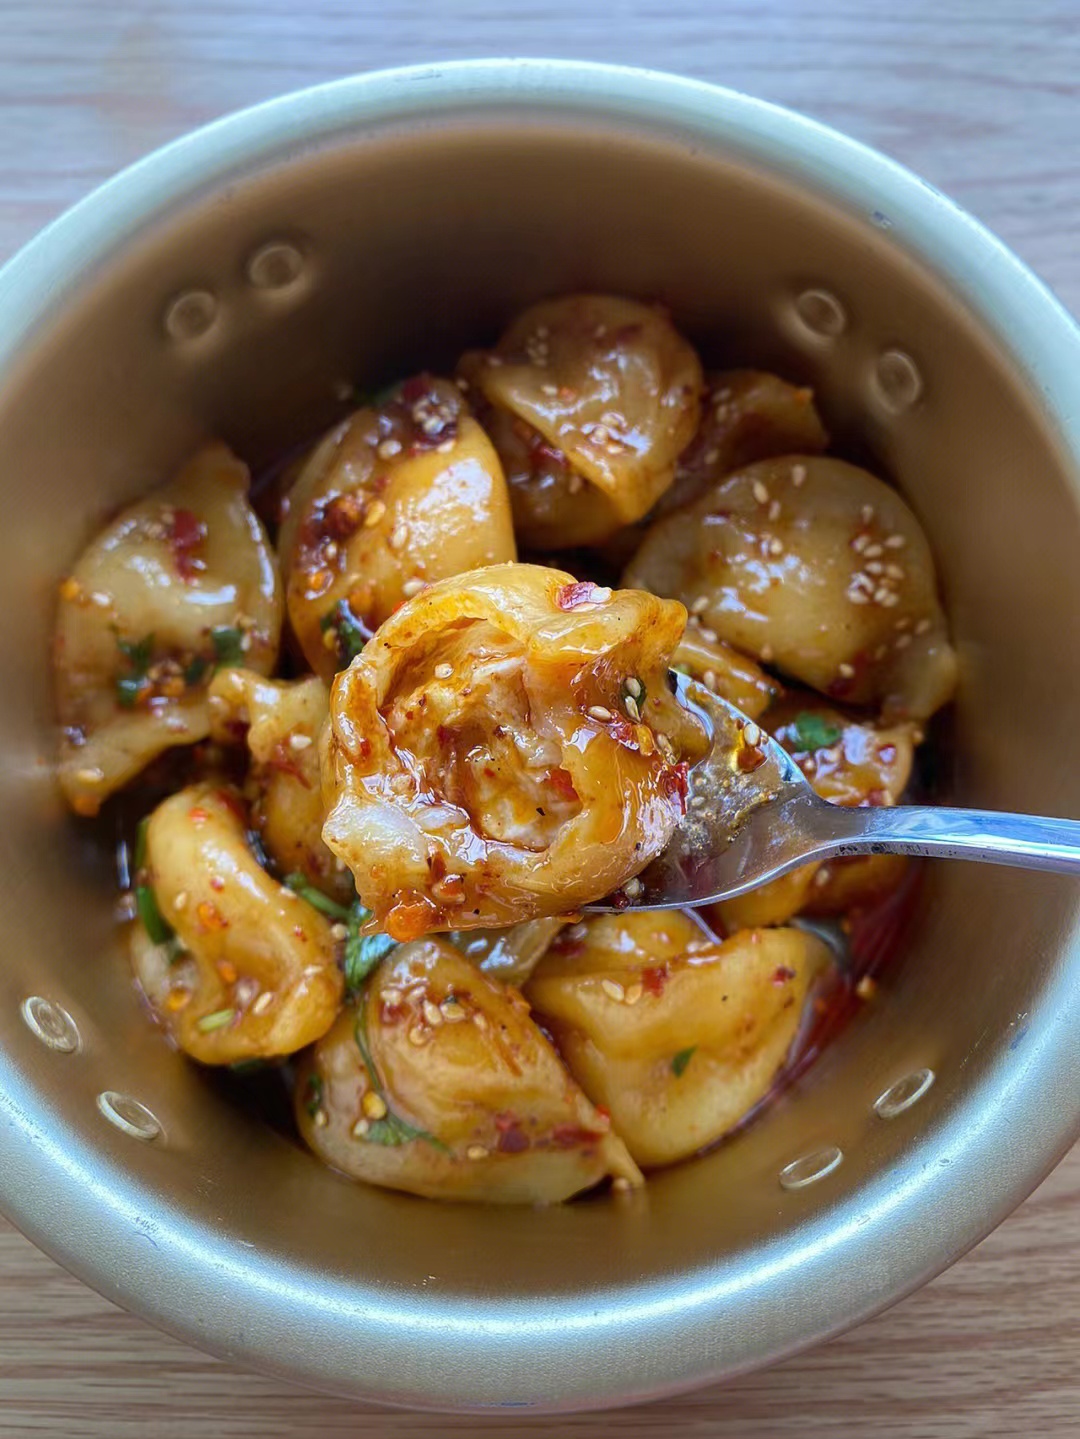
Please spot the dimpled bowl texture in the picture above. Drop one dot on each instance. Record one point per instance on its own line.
(229, 285)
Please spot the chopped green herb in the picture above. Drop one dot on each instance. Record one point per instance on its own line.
(391, 1129)
(137, 652)
(363, 951)
(218, 1020)
(351, 634)
(301, 885)
(129, 687)
(146, 905)
(247, 1066)
(196, 669)
(313, 1095)
(814, 732)
(228, 644)
(681, 1060)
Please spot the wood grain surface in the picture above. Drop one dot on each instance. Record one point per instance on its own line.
(983, 99)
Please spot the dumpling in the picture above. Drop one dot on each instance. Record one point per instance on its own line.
(675, 1034)
(589, 400)
(281, 721)
(397, 496)
(727, 673)
(234, 965)
(849, 762)
(506, 747)
(177, 585)
(439, 1083)
(816, 566)
(747, 415)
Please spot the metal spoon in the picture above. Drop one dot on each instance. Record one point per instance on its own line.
(752, 815)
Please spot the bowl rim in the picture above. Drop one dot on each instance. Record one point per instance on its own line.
(997, 1144)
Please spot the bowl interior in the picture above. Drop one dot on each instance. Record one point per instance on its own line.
(407, 240)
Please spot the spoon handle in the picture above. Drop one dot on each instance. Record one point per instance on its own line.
(1026, 840)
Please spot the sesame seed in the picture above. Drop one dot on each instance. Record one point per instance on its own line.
(798, 475)
(634, 993)
(412, 587)
(751, 734)
(339, 931)
(896, 542)
(890, 599)
(858, 597)
(632, 708)
(874, 567)
(549, 389)
(444, 447)
(90, 776)
(443, 671)
(476, 1151)
(480, 1020)
(902, 642)
(613, 989)
(903, 623)
(700, 605)
(859, 543)
(575, 484)
(867, 514)
(760, 492)
(635, 687)
(329, 639)
(432, 1013)
(374, 514)
(881, 594)
(388, 449)
(300, 741)
(708, 635)
(373, 1105)
(330, 551)
(862, 581)
(598, 712)
(181, 900)
(845, 671)
(709, 680)
(666, 748)
(599, 434)
(774, 510)
(866, 987)
(360, 1128)
(821, 879)
(873, 552)
(452, 1011)
(776, 546)
(620, 1184)
(633, 887)
(766, 653)
(100, 599)
(391, 996)
(895, 572)
(320, 1119)
(398, 537)
(417, 1036)
(711, 456)
(923, 627)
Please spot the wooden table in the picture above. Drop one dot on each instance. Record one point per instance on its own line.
(982, 99)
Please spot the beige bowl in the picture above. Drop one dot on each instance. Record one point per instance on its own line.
(229, 285)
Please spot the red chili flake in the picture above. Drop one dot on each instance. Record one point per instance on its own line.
(198, 815)
(603, 1111)
(544, 451)
(750, 758)
(187, 534)
(232, 803)
(624, 733)
(300, 933)
(876, 798)
(564, 944)
(342, 517)
(561, 782)
(581, 592)
(840, 687)
(512, 1138)
(217, 883)
(675, 781)
(781, 975)
(283, 761)
(570, 1136)
(653, 979)
(209, 916)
